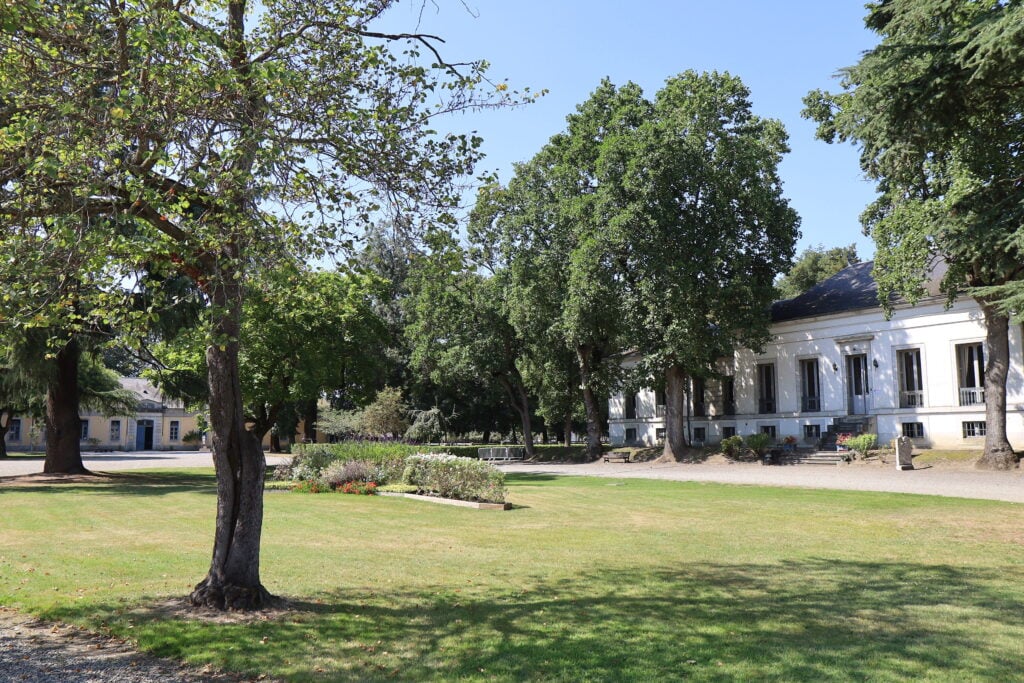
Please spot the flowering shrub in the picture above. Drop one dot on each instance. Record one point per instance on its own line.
(338, 473)
(842, 438)
(361, 488)
(311, 486)
(790, 440)
(450, 476)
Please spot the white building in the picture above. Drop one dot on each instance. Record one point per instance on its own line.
(835, 362)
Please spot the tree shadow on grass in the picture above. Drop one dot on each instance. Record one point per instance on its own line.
(812, 620)
(112, 483)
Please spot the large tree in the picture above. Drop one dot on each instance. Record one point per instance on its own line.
(225, 136)
(554, 223)
(459, 330)
(937, 108)
(813, 265)
(705, 232)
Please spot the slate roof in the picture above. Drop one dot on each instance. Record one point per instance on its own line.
(851, 289)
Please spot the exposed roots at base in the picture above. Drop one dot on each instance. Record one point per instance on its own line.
(221, 596)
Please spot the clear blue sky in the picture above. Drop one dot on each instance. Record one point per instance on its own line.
(780, 50)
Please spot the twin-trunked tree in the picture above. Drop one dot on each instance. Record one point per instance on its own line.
(206, 138)
(649, 226)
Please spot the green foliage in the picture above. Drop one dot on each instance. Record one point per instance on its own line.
(387, 415)
(812, 266)
(732, 446)
(935, 108)
(449, 476)
(397, 488)
(429, 425)
(339, 423)
(861, 444)
(758, 443)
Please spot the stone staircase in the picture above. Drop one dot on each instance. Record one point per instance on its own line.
(809, 458)
(826, 453)
(850, 424)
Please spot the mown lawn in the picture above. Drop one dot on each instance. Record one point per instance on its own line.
(588, 579)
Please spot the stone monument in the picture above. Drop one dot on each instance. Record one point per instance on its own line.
(904, 449)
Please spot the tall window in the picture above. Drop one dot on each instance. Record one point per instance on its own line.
(810, 388)
(970, 367)
(175, 430)
(766, 388)
(728, 396)
(911, 378)
(699, 407)
(14, 430)
(115, 431)
(629, 408)
(659, 403)
(85, 429)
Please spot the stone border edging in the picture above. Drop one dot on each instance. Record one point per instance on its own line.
(447, 501)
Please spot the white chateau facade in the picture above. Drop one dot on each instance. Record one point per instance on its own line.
(836, 364)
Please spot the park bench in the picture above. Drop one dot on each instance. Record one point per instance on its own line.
(622, 454)
(502, 454)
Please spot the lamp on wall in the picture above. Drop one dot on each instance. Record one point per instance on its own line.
(874, 362)
(835, 368)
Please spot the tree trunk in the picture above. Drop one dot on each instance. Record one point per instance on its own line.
(521, 404)
(998, 453)
(6, 415)
(675, 414)
(593, 410)
(487, 436)
(63, 424)
(233, 581)
(309, 422)
(567, 432)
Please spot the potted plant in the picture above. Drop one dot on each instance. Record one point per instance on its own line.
(841, 441)
(789, 443)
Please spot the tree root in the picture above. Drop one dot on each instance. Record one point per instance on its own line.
(227, 596)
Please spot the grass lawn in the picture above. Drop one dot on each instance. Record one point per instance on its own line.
(589, 579)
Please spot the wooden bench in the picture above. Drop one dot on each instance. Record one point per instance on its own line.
(619, 454)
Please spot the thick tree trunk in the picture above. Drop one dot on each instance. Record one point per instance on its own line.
(487, 436)
(675, 414)
(593, 410)
(233, 581)
(6, 415)
(567, 432)
(63, 424)
(998, 453)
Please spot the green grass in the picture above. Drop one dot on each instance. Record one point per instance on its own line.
(587, 579)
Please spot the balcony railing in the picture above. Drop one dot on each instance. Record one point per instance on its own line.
(972, 396)
(912, 399)
(700, 410)
(766, 405)
(659, 411)
(811, 404)
(729, 408)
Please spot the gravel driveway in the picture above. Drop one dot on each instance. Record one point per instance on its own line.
(110, 462)
(958, 482)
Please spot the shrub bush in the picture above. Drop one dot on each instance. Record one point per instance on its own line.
(449, 476)
(338, 473)
(759, 443)
(860, 445)
(732, 446)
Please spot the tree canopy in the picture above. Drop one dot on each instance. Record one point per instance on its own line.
(200, 138)
(936, 110)
(813, 265)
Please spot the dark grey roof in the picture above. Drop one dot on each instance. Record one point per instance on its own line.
(851, 289)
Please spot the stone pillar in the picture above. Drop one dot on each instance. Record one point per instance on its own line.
(904, 451)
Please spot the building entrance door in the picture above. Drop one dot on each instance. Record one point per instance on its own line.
(144, 435)
(857, 384)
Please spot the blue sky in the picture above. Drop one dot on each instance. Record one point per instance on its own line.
(780, 50)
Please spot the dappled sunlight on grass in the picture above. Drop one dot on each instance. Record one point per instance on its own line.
(588, 579)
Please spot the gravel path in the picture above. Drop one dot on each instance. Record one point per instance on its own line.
(957, 481)
(32, 651)
(110, 462)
